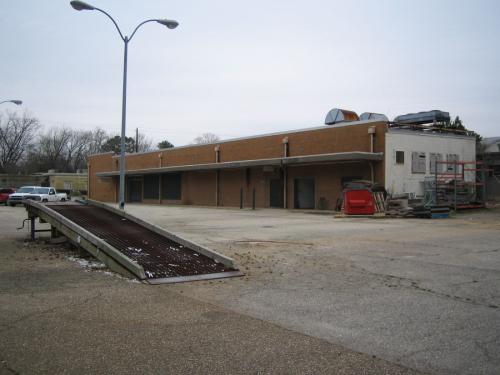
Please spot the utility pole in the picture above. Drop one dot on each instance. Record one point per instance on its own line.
(136, 140)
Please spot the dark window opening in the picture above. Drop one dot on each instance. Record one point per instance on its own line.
(151, 186)
(276, 195)
(171, 186)
(134, 189)
(400, 157)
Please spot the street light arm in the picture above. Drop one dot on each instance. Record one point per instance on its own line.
(111, 18)
(139, 25)
(15, 101)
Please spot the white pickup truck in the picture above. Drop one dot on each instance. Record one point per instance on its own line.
(20, 195)
(46, 194)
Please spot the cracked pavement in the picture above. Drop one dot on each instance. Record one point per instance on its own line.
(59, 318)
(320, 295)
(421, 293)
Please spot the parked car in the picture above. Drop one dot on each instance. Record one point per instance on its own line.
(5, 193)
(46, 194)
(20, 195)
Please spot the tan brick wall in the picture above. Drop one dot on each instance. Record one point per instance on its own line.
(235, 181)
(170, 157)
(198, 188)
(326, 140)
(101, 189)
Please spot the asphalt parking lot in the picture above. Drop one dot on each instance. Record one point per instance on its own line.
(64, 314)
(421, 293)
(408, 294)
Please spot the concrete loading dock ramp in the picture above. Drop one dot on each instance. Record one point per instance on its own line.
(131, 246)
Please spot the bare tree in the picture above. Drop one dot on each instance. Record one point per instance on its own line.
(143, 143)
(60, 148)
(52, 147)
(99, 138)
(206, 138)
(16, 134)
(76, 150)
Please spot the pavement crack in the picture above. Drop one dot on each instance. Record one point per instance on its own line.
(393, 281)
(486, 251)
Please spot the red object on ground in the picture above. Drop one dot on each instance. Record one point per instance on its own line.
(358, 202)
(5, 193)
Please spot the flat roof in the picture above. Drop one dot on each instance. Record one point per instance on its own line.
(292, 160)
(429, 133)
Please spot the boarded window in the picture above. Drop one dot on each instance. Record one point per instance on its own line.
(433, 159)
(418, 162)
(151, 186)
(400, 157)
(171, 186)
(452, 167)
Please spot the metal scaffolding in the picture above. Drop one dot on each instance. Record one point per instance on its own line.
(456, 184)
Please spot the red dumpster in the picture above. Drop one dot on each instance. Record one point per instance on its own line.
(358, 202)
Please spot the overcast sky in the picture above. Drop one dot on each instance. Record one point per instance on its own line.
(237, 68)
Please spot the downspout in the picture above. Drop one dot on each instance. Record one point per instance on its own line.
(217, 173)
(285, 174)
(117, 184)
(160, 156)
(371, 131)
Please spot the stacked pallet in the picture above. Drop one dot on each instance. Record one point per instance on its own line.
(379, 200)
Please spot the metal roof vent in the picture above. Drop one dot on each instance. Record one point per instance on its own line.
(373, 116)
(337, 115)
(421, 118)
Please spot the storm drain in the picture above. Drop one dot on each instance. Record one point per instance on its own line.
(161, 257)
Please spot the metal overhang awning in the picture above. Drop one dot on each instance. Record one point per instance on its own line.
(320, 158)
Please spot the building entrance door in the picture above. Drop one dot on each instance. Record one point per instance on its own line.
(135, 190)
(276, 192)
(303, 196)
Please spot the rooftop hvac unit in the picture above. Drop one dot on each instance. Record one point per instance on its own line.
(421, 118)
(373, 116)
(337, 115)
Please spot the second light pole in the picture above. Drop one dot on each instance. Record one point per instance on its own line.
(171, 24)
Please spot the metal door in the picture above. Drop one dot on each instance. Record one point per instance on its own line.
(276, 193)
(304, 193)
(135, 190)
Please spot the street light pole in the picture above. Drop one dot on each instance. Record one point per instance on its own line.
(124, 121)
(171, 24)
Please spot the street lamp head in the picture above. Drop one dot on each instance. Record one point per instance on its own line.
(171, 24)
(80, 5)
(17, 102)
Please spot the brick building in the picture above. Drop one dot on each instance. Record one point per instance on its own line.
(302, 169)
